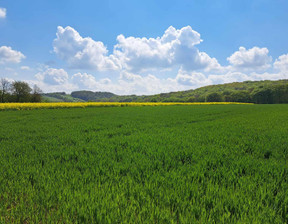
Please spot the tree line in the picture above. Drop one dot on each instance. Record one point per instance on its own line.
(267, 95)
(18, 91)
(276, 94)
(259, 92)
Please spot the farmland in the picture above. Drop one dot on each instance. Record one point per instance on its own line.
(32, 106)
(165, 164)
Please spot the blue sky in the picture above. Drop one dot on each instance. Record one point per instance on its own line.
(105, 46)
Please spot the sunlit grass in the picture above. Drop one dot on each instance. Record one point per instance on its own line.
(177, 164)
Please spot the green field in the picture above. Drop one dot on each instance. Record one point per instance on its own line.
(165, 164)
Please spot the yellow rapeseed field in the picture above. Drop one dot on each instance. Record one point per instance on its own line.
(29, 106)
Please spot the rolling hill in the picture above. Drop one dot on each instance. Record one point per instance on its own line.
(248, 91)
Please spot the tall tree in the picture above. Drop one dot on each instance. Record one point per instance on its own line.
(36, 94)
(4, 85)
(21, 91)
(262, 95)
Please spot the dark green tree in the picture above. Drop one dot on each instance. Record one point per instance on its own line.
(240, 96)
(214, 97)
(262, 95)
(21, 91)
(280, 93)
(191, 99)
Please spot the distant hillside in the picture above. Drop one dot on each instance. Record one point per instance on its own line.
(248, 91)
(91, 96)
(59, 97)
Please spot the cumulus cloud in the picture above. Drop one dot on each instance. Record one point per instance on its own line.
(83, 53)
(53, 80)
(253, 59)
(128, 83)
(53, 76)
(8, 55)
(149, 84)
(131, 83)
(2, 13)
(268, 76)
(229, 77)
(175, 47)
(193, 79)
(196, 79)
(141, 65)
(136, 84)
(281, 63)
(85, 81)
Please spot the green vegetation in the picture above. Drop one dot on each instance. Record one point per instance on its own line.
(260, 92)
(172, 164)
(91, 96)
(59, 97)
(18, 91)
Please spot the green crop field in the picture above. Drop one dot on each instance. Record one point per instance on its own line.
(165, 164)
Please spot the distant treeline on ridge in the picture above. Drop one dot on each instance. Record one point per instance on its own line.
(260, 92)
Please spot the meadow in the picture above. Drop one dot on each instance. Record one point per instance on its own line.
(164, 164)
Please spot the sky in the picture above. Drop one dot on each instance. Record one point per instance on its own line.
(142, 47)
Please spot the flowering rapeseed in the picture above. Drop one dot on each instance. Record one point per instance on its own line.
(29, 106)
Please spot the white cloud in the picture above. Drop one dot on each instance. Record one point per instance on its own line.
(84, 81)
(53, 76)
(171, 62)
(8, 55)
(175, 47)
(229, 77)
(145, 85)
(3, 13)
(129, 77)
(253, 59)
(192, 79)
(127, 84)
(281, 63)
(47, 88)
(195, 80)
(185, 80)
(26, 68)
(83, 53)
(268, 76)
(53, 80)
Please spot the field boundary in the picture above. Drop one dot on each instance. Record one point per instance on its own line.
(31, 106)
